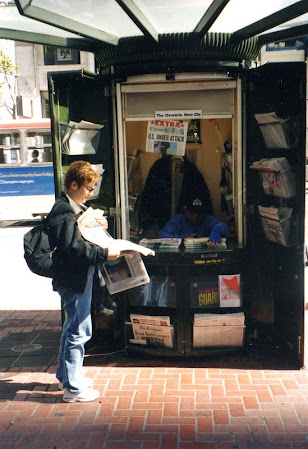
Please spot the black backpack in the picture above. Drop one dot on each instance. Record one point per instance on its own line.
(37, 251)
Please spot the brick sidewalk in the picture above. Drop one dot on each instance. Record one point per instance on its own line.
(235, 402)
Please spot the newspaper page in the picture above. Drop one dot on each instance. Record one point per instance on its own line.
(167, 137)
(124, 273)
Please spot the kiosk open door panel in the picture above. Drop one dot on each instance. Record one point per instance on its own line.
(275, 103)
(82, 119)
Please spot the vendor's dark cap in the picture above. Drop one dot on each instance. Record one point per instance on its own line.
(196, 205)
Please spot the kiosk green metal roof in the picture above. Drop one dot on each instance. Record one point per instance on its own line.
(128, 31)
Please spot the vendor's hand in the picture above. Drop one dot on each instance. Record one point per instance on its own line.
(212, 244)
(192, 236)
(103, 222)
(113, 253)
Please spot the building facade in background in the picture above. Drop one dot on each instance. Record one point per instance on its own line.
(33, 63)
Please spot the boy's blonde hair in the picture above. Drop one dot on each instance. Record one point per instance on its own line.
(81, 172)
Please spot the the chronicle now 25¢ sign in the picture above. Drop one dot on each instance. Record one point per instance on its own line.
(186, 114)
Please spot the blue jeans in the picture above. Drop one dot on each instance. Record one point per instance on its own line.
(77, 330)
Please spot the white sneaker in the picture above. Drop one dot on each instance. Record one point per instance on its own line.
(87, 395)
(87, 383)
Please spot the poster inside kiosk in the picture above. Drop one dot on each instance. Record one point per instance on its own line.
(167, 134)
(167, 137)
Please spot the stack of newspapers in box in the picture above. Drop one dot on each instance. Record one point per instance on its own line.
(152, 330)
(202, 243)
(214, 329)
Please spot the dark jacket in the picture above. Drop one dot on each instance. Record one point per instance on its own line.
(74, 254)
(155, 202)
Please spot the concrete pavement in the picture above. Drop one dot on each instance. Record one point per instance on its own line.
(21, 289)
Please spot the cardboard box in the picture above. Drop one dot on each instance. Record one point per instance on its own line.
(218, 336)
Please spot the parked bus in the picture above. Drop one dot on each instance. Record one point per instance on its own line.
(26, 169)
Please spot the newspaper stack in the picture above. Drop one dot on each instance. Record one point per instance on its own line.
(218, 330)
(152, 330)
(81, 138)
(276, 223)
(202, 243)
(272, 164)
(171, 243)
(277, 177)
(275, 131)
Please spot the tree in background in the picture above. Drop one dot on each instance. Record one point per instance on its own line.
(8, 84)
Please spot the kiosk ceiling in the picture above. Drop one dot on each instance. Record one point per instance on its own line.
(121, 30)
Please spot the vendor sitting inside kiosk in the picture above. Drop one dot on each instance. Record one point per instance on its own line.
(195, 223)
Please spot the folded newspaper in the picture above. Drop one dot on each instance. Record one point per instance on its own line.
(94, 232)
(125, 272)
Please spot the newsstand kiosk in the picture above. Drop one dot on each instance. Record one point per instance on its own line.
(245, 133)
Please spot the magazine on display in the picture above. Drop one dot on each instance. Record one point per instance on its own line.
(125, 272)
(229, 290)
